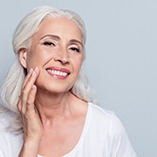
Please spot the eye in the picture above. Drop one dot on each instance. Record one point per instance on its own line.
(75, 49)
(48, 43)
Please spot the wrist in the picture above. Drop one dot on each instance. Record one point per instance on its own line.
(29, 148)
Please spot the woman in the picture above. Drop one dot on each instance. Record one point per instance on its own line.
(46, 105)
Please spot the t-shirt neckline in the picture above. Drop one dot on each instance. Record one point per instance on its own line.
(84, 131)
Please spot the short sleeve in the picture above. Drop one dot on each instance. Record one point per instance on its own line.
(120, 145)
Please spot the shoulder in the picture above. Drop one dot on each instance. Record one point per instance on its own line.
(96, 109)
(109, 127)
(106, 119)
(101, 114)
(4, 125)
(10, 142)
(5, 133)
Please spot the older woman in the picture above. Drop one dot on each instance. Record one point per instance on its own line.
(46, 106)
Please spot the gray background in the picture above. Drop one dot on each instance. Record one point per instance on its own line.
(121, 58)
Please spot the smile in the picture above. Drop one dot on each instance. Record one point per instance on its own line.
(56, 72)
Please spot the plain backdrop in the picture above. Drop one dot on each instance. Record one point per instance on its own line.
(121, 58)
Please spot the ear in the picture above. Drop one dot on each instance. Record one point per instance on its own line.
(23, 57)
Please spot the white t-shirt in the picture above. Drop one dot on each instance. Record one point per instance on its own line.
(103, 135)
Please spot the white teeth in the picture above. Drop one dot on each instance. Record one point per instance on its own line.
(55, 72)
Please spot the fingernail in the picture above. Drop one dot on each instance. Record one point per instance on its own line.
(33, 73)
(36, 69)
(30, 71)
(33, 87)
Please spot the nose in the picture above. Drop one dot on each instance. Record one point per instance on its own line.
(62, 56)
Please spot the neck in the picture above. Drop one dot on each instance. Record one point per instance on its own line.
(53, 106)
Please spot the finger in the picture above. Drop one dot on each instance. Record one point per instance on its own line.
(28, 87)
(27, 77)
(29, 82)
(31, 99)
(28, 112)
(19, 104)
(32, 73)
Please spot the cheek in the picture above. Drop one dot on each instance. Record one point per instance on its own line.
(78, 64)
(37, 58)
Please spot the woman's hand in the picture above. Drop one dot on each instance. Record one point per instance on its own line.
(32, 125)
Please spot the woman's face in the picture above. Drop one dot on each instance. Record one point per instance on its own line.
(57, 50)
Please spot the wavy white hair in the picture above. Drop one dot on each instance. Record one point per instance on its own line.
(11, 86)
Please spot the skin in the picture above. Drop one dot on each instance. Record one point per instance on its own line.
(52, 116)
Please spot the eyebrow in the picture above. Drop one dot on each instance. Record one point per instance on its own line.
(58, 38)
(50, 35)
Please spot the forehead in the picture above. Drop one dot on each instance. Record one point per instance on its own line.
(61, 26)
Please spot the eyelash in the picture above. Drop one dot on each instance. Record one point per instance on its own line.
(75, 49)
(49, 43)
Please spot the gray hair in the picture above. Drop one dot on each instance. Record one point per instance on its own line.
(11, 86)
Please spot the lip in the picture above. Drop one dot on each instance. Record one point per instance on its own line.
(58, 73)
